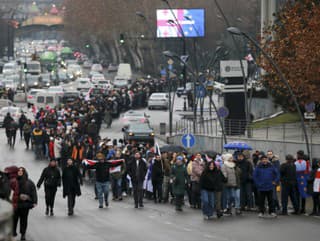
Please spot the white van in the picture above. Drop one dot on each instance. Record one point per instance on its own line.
(44, 99)
(33, 67)
(10, 68)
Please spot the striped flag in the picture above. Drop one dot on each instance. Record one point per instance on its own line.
(157, 149)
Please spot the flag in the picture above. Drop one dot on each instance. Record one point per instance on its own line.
(157, 149)
(88, 162)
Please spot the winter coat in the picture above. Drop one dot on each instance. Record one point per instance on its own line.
(28, 190)
(57, 147)
(288, 174)
(37, 135)
(137, 176)
(232, 174)
(246, 170)
(27, 129)
(265, 176)
(103, 170)
(12, 172)
(179, 178)
(197, 169)
(71, 179)
(157, 171)
(212, 180)
(51, 177)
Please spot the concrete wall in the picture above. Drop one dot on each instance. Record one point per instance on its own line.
(279, 148)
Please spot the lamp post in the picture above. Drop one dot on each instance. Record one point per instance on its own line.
(236, 31)
(169, 54)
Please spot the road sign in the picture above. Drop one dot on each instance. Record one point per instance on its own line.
(200, 91)
(310, 107)
(188, 140)
(310, 115)
(223, 112)
(184, 58)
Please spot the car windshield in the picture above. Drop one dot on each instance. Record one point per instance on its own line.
(140, 128)
(158, 96)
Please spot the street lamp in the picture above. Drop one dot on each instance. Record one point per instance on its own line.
(171, 55)
(237, 31)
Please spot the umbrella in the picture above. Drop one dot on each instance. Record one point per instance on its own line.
(173, 148)
(237, 145)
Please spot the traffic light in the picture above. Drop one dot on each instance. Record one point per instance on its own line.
(121, 38)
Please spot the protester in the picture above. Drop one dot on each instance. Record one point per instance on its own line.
(315, 185)
(265, 177)
(197, 169)
(52, 180)
(71, 179)
(27, 200)
(157, 178)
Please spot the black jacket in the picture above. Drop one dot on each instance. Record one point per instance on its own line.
(288, 174)
(212, 180)
(103, 170)
(157, 171)
(137, 175)
(71, 179)
(246, 171)
(28, 189)
(51, 178)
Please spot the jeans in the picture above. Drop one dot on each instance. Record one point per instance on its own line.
(22, 214)
(116, 187)
(103, 190)
(233, 195)
(262, 198)
(207, 198)
(246, 195)
(289, 191)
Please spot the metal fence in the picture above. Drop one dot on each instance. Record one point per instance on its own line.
(282, 132)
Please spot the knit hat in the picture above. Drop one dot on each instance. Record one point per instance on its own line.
(179, 158)
(226, 157)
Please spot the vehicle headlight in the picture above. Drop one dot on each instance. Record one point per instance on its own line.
(22, 85)
(151, 134)
(35, 83)
(131, 134)
(47, 84)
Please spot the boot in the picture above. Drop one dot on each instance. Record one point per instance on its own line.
(238, 212)
(47, 211)
(51, 212)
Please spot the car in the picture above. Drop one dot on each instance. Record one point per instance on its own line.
(83, 84)
(132, 116)
(9, 84)
(138, 133)
(87, 64)
(96, 78)
(70, 96)
(10, 68)
(33, 81)
(96, 92)
(15, 113)
(158, 100)
(112, 68)
(74, 71)
(5, 103)
(59, 90)
(184, 91)
(104, 84)
(97, 68)
(46, 80)
(31, 96)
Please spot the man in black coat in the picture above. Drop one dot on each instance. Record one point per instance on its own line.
(157, 178)
(288, 181)
(137, 171)
(71, 179)
(27, 200)
(52, 180)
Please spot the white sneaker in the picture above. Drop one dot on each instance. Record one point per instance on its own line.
(205, 217)
(261, 215)
(124, 194)
(273, 215)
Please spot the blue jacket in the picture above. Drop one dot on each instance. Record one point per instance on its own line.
(264, 176)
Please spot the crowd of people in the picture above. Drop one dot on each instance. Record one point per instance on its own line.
(220, 185)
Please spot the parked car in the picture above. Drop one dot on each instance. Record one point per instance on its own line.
(138, 133)
(158, 100)
(15, 113)
(132, 116)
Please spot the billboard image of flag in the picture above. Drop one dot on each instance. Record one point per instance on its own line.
(179, 23)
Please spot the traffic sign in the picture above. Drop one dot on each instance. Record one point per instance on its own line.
(310, 115)
(184, 58)
(200, 91)
(188, 140)
(223, 112)
(310, 107)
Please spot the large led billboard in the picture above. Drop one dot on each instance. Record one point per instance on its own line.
(179, 23)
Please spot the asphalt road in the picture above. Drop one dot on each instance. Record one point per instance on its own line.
(155, 222)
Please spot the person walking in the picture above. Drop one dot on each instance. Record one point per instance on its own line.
(288, 181)
(12, 132)
(116, 177)
(211, 181)
(52, 180)
(315, 184)
(232, 187)
(179, 178)
(22, 121)
(137, 171)
(276, 163)
(157, 178)
(197, 169)
(265, 177)
(6, 124)
(71, 180)
(27, 200)
(27, 131)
